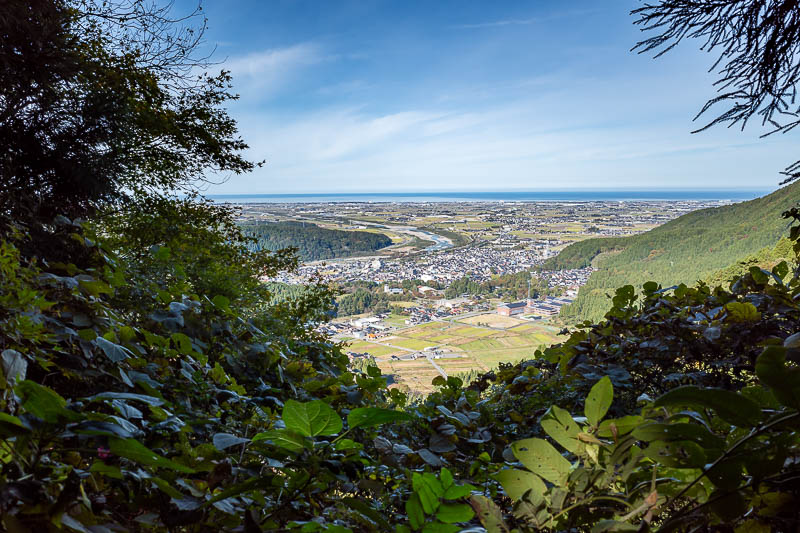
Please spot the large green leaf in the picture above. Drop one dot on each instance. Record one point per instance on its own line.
(771, 369)
(742, 312)
(374, 416)
(311, 418)
(599, 400)
(680, 431)
(451, 513)
(540, 457)
(518, 482)
(137, 452)
(429, 490)
(44, 403)
(285, 438)
(622, 426)
(416, 516)
(676, 454)
(11, 426)
(559, 424)
(730, 406)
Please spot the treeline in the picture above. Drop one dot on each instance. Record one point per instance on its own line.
(508, 286)
(312, 242)
(692, 247)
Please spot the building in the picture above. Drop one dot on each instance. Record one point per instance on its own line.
(508, 309)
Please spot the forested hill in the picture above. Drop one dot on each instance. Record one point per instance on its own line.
(313, 242)
(692, 247)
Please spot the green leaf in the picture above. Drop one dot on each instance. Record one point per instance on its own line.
(623, 425)
(362, 507)
(679, 431)
(137, 452)
(771, 369)
(284, 438)
(99, 467)
(559, 424)
(221, 302)
(517, 483)
(451, 513)
(44, 403)
(540, 457)
(489, 514)
(373, 416)
(742, 311)
(11, 426)
(599, 400)
(414, 511)
(311, 418)
(429, 490)
(676, 454)
(446, 478)
(183, 342)
(730, 406)
(456, 492)
(613, 525)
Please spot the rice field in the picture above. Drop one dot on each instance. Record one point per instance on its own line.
(480, 348)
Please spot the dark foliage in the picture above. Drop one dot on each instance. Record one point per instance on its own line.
(313, 242)
(86, 124)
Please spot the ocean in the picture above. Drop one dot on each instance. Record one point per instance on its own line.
(574, 195)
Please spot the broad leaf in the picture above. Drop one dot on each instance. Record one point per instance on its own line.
(137, 452)
(730, 406)
(517, 483)
(540, 457)
(311, 418)
(621, 426)
(44, 403)
(451, 513)
(599, 400)
(113, 351)
(284, 438)
(374, 416)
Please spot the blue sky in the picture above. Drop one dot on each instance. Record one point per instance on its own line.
(375, 96)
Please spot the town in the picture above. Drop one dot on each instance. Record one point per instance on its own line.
(422, 328)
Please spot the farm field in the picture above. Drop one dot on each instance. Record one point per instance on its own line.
(481, 348)
(493, 320)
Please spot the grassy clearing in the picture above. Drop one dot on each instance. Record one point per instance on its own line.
(375, 350)
(493, 320)
(412, 344)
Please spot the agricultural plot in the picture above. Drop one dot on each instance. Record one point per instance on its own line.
(482, 349)
(493, 320)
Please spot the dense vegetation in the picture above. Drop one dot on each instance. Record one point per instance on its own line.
(150, 383)
(690, 248)
(313, 242)
(506, 286)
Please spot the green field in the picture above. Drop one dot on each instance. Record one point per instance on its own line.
(482, 348)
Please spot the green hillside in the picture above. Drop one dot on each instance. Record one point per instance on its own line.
(313, 242)
(693, 247)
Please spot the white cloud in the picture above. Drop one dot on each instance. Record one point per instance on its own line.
(268, 70)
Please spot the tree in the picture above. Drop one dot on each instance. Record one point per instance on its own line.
(97, 105)
(758, 42)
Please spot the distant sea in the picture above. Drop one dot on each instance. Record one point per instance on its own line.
(574, 195)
